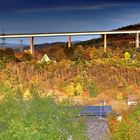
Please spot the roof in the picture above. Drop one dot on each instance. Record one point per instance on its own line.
(132, 97)
(45, 58)
(96, 110)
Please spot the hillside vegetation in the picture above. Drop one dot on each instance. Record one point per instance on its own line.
(34, 94)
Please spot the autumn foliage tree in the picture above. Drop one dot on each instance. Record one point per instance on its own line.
(7, 55)
(26, 57)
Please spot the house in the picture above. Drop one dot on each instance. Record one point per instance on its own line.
(45, 58)
(27, 51)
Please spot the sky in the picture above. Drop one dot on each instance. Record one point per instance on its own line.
(42, 16)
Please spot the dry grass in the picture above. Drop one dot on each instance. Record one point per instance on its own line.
(1, 96)
(119, 106)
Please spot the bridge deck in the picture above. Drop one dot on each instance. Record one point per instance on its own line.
(24, 35)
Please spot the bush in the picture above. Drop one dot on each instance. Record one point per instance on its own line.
(127, 56)
(1, 54)
(2, 64)
(94, 53)
(70, 89)
(9, 51)
(26, 57)
(119, 96)
(92, 91)
(38, 118)
(7, 55)
(127, 129)
(78, 89)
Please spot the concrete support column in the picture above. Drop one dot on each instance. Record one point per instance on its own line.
(105, 43)
(32, 45)
(21, 46)
(137, 40)
(69, 41)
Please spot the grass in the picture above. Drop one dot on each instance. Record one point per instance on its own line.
(128, 128)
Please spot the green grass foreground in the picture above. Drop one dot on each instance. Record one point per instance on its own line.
(128, 128)
(38, 119)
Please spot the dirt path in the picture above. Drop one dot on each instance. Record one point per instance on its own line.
(97, 128)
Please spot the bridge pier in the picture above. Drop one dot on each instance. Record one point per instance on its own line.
(21, 46)
(32, 45)
(69, 41)
(137, 40)
(105, 43)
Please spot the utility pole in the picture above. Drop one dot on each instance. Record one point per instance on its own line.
(3, 39)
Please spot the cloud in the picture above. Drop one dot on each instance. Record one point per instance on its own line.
(72, 8)
(127, 15)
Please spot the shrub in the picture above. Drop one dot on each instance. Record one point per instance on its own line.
(9, 51)
(7, 55)
(119, 96)
(38, 118)
(78, 52)
(26, 57)
(92, 91)
(78, 89)
(127, 56)
(70, 89)
(127, 129)
(1, 54)
(94, 53)
(2, 64)
(137, 56)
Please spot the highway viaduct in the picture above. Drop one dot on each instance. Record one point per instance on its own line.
(69, 34)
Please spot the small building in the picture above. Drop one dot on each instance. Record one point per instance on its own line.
(132, 100)
(27, 51)
(45, 58)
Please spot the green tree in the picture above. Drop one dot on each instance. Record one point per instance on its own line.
(70, 89)
(78, 89)
(92, 91)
